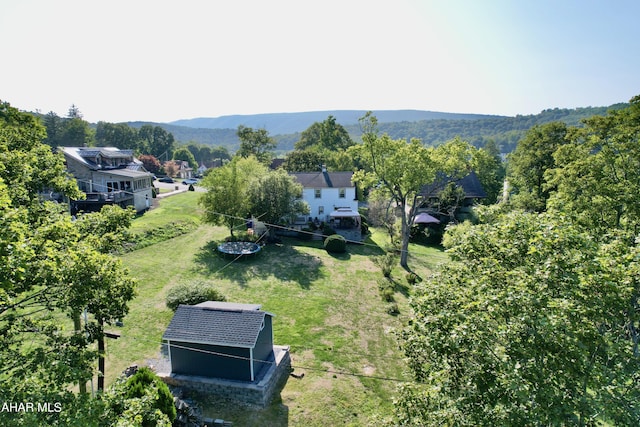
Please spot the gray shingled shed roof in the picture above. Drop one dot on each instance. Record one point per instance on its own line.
(324, 179)
(216, 326)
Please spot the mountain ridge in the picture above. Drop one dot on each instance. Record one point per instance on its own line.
(477, 129)
(287, 123)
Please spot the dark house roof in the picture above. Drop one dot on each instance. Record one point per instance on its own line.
(218, 324)
(324, 179)
(470, 184)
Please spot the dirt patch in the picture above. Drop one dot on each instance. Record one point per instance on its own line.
(368, 370)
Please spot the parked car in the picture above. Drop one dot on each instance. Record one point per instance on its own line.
(166, 179)
(190, 181)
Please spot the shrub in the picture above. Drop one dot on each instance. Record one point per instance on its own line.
(140, 382)
(387, 294)
(328, 231)
(387, 290)
(335, 244)
(386, 263)
(413, 278)
(393, 309)
(191, 294)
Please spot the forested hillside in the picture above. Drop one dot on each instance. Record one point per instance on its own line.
(505, 131)
(288, 123)
(477, 129)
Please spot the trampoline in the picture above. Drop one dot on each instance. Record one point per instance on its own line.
(239, 249)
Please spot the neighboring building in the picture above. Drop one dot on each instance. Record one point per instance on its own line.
(473, 191)
(184, 170)
(332, 200)
(470, 184)
(108, 176)
(220, 340)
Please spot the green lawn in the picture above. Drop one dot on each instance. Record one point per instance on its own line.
(327, 309)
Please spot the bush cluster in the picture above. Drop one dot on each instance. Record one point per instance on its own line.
(191, 294)
(335, 244)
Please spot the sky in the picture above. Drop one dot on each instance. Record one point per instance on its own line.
(160, 61)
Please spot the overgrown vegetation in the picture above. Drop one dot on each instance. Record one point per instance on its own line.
(160, 234)
(192, 293)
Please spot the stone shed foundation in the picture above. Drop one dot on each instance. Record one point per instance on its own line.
(258, 393)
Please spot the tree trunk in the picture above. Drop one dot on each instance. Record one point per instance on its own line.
(101, 357)
(77, 327)
(406, 235)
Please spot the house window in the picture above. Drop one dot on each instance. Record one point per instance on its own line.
(342, 193)
(320, 210)
(318, 193)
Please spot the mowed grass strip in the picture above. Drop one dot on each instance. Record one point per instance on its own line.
(327, 308)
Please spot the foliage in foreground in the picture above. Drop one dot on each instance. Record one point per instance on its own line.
(142, 399)
(52, 269)
(532, 323)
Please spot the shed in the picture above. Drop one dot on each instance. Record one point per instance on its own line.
(220, 340)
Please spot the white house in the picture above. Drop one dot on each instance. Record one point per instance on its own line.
(326, 192)
(332, 199)
(108, 175)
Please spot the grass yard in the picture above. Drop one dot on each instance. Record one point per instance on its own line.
(327, 308)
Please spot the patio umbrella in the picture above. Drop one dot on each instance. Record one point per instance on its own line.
(425, 218)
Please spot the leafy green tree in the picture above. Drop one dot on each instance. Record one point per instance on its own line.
(597, 174)
(531, 323)
(276, 196)
(304, 161)
(488, 166)
(53, 125)
(255, 143)
(75, 131)
(403, 169)
(47, 269)
(119, 135)
(26, 161)
(529, 162)
(157, 141)
(226, 200)
(183, 153)
(219, 152)
(325, 136)
(449, 200)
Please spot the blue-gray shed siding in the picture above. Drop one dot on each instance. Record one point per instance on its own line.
(222, 361)
(201, 361)
(263, 351)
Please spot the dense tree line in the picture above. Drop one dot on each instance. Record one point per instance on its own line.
(535, 321)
